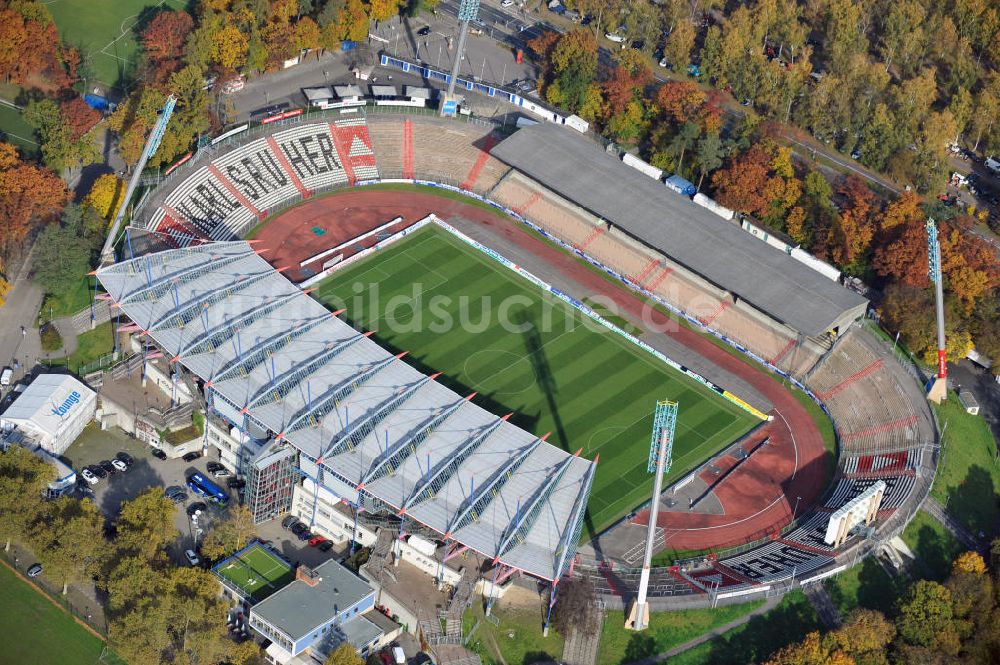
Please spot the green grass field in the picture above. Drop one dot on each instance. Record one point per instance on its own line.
(13, 129)
(257, 571)
(41, 633)
(592, 389)
(968, 477)
(104, 31)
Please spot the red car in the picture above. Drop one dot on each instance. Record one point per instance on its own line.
(316, 540)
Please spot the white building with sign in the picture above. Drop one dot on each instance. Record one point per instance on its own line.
(51, 412)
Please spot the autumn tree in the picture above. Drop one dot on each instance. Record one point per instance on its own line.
(78, 116)
(680, 101)
(925, 619)
(163, 41)
(229, 47)
(680, 42)
(854, 228)
(105, 195)
(29, 195)
(344, 654)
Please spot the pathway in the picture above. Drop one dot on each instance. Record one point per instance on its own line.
(938, 512)
(19, 311)
(581, 646)
(768, 605)
(823, 604)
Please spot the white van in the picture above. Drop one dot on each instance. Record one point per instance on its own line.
(6, 376)
(992, 164)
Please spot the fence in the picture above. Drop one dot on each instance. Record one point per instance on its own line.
(91, 615)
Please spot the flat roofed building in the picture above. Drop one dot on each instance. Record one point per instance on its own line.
(52, 411)
(320, 602)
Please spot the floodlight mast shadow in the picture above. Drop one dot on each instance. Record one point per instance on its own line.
(661, 449)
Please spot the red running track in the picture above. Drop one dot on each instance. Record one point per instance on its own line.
(757, 499)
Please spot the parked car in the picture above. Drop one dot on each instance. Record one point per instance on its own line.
(196, 508)
(325, 546)
(424, 31)
(179, 498)
(288, 521)
(191, 557)
(34, 570)
(304, 535)
(236, 483)
(316, 540)
(299, 528)
(192, 456)
(108, 466)
(506, 3)
(98, 471)
(221, 473)
(125, 458)
(89, 476)
(612, 37)
(119, 465)
(159, 454)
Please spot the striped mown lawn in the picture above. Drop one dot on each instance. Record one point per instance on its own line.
(492, 331)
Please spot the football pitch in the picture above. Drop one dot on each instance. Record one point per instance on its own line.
(443, 301)
(256, 571)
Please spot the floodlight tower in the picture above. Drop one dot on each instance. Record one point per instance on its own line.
(152, 143)
(661, 449)
(468, 10)
(939, 387)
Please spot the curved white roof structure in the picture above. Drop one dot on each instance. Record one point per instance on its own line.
(368, 424)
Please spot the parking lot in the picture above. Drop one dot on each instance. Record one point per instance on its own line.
(94, 446)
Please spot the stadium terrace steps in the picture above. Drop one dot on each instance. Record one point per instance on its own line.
(392, 142)
(287, 167)
(477, 168)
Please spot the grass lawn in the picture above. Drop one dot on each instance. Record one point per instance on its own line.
(490, 331)
(517, 639)
(757, 639)
(934, 547)
(968, 478)
(92, 346)
(75, 300)
(41, 633)
(13, 129)
(104, 31)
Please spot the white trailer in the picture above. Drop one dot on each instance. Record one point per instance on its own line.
(720, 210)
(644, 167)
(822, 267)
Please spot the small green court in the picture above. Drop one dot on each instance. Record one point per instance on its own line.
(523, 350)
(256, 571)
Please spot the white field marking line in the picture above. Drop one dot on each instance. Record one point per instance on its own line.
(729, 524)
(795, 446)
(20, 137)
(124, 32)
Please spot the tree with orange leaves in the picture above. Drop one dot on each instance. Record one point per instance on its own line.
(854, 228)
(78, 116)
(680, 101)
(29, 195)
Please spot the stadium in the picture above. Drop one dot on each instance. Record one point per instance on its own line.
(526, 448)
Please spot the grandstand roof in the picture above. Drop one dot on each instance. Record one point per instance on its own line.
(270, 354)
(706, 244)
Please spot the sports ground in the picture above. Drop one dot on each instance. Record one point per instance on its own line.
(39, 632)
(443, 301)
(257, 571)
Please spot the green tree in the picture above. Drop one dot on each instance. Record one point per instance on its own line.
(62, 257)
(574, 67)
(230, 535)
(925, 618)
(709, 155)
(23, 478)
(69, 540)
(679, 44)
(688, 134)
(146, 524)
(60, 149)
